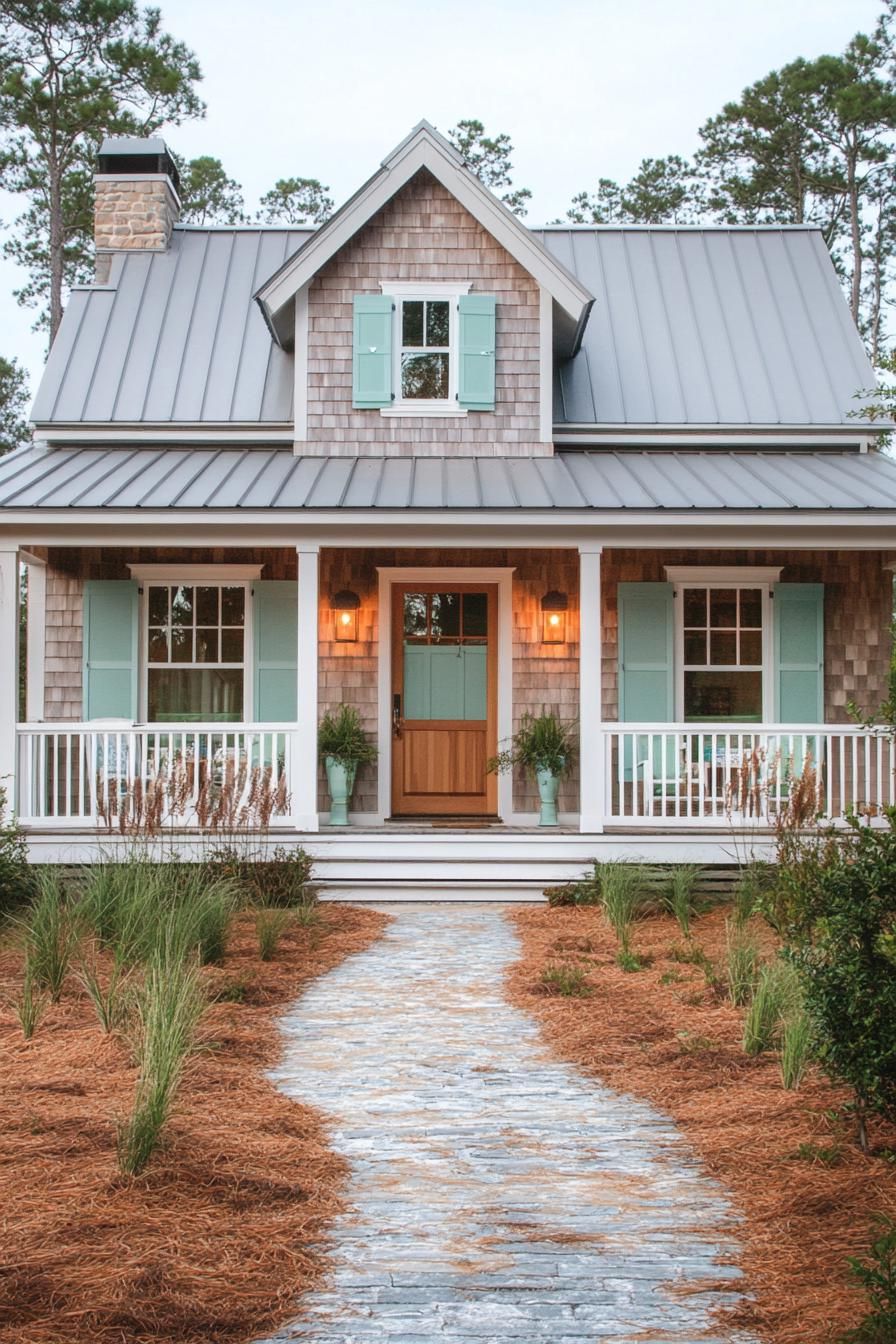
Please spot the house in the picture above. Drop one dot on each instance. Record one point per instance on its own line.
(430, 462)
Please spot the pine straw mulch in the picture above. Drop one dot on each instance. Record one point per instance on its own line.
(213, 1241)
(678, 1046)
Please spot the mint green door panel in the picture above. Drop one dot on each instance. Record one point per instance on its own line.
(476, 352)
(445, 682)
(276, 646)
(110, 649)
(372, 351)
(799, 652)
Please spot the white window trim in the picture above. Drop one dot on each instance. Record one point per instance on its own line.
(218, 576)
(406, 289)
(726, 576)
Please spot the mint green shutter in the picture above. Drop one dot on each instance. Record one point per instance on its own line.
(799, 652)
(476, 352)
(646, 672)
(276, 641)
(110, 649)
(646, 686)
(372, 351)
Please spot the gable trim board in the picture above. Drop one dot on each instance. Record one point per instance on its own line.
(425, 149)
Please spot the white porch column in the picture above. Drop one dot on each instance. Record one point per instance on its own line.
(592, 769)
(35, 636)
(303, 784)
(9, 669)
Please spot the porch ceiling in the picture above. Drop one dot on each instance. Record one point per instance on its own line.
(220, 479)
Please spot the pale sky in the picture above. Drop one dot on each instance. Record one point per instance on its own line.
(585, 88)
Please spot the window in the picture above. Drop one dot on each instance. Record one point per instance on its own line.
(722, 652)
(195, 652)
(425, 360)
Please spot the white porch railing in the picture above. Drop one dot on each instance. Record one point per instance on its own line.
(667, 775)
(197, 776)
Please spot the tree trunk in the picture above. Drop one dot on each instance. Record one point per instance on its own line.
(855, 228)
(57, 244)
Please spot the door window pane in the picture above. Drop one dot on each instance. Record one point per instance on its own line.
(445, 615)
(475, 614)
(415, 620)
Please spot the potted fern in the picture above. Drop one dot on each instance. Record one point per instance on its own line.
(342, 745)
(544, 747)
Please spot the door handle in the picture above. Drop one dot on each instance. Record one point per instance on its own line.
(396, 715)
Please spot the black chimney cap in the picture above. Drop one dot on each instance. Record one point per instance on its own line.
(129, 154)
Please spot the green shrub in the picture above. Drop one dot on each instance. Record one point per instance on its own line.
(877, 1275)
(835, 906)
(572, 893)
(692, 954)
(270, 926)
(16, 874)
(796, 1048)
(629, 961)
(566, 980)
(622, 896)
(278, 877)
(741, 962)
(49, 933)
(681, 900)
(168, 1005)
(776, 998)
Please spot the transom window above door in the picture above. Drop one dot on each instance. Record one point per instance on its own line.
(722, 652)
(195, 652)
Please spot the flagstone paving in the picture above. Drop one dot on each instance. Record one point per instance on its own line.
(495, 1193)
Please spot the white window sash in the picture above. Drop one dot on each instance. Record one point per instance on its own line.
(693, 580)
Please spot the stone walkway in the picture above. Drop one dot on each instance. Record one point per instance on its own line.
(495, 1194)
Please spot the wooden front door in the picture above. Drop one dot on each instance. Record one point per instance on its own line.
(444, 692)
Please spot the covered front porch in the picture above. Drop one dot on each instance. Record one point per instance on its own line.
(668, 768)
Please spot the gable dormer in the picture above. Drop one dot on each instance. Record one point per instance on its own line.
(424, 316)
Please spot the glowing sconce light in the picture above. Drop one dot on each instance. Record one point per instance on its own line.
(345, 605)
(554, 607)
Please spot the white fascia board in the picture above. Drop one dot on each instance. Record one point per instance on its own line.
(349, 529)
(148, 435)
(703, 436)
(422, 150)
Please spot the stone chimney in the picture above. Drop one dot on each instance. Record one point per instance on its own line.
(137, 204)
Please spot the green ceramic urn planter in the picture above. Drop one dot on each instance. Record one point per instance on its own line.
(543, 747)
(342, 745)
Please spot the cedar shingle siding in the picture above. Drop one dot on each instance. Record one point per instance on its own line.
(423, 234)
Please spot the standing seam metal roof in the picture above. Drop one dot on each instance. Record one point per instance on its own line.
(708, 326)
(690, 326)
(136, 479)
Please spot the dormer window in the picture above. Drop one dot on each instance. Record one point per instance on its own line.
(426, 367)
(424, 349)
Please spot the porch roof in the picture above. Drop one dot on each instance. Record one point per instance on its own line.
(124, 479)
